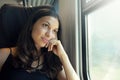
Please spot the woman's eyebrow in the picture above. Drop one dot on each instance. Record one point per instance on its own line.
(47, 22)
(50, 24)
(56, 28)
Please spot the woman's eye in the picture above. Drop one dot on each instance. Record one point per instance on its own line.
(45, 25)
(55, 31)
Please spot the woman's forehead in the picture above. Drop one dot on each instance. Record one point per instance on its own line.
(50, 20)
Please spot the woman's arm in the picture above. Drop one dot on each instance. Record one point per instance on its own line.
(68, 73)
(4, 52)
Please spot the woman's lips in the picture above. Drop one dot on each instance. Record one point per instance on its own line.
(45, 40)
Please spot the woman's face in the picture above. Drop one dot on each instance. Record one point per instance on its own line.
(44, 29)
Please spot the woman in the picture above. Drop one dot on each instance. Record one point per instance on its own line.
(39, 54)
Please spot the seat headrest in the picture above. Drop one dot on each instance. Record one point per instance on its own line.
(12, 20)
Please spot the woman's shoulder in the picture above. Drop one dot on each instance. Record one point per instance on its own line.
(4, 50)
(7, 51)
(4, 53)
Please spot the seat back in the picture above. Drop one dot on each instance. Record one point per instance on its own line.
(12, 20)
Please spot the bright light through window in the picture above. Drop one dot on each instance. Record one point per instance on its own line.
(104, 42)
(88, 1)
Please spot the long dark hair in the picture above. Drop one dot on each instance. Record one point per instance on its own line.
(27, 52)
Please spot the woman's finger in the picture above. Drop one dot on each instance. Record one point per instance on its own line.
(47, 45)
(51, 44)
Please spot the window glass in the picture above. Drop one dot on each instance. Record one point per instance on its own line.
(87, 1)
(104, 42)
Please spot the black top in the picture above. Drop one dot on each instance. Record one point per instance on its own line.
(8, 72)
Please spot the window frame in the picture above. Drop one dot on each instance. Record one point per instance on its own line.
(87, 8)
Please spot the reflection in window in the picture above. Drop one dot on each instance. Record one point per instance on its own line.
(88, 1)
(104, 42)
(33, 3)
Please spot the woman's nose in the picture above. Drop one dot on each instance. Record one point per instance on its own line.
(49, 33)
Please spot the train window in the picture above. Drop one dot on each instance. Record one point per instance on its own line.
(87, 1)
(103, 42)
(33, 3)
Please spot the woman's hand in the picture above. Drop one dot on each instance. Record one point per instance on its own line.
(55, 46)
